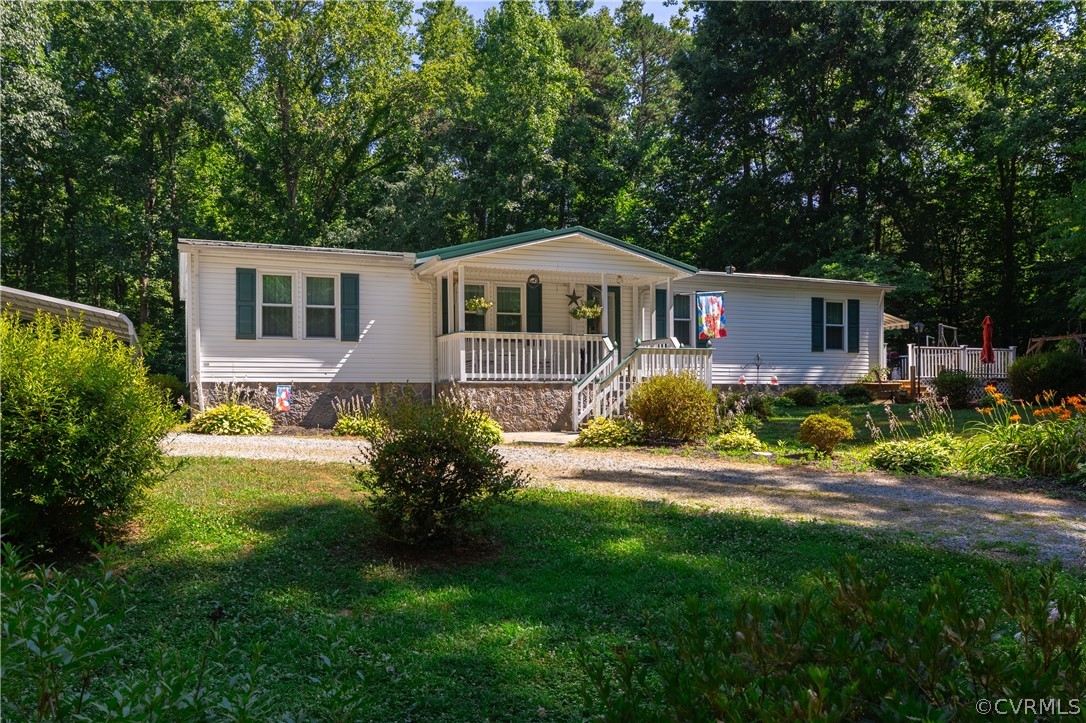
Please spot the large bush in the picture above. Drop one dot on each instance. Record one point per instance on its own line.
(824, 432)
(847, 650)
(673, 408)
(232, 418)
(435, 471)
(957, 387)
(81, 426)
(805, 396)
(1061, 372)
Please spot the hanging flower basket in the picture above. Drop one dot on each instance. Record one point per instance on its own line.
(590, 310)
(477, 305)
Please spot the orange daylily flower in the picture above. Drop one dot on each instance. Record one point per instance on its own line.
(1015, 417)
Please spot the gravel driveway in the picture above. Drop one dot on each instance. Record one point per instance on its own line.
(952, 513)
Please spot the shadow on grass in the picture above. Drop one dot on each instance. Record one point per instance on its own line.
(495, 637)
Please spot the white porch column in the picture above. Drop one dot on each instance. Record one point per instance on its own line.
(461, 323)
(603, 300)
(669, 331)
(653, 313)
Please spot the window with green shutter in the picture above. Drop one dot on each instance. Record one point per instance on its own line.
(348, 307)
(320, 307)
(276, 305)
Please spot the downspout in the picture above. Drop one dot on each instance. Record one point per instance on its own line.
(432, 283)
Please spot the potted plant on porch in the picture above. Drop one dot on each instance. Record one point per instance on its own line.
(477, 305)
(587, 310)
(878, 382)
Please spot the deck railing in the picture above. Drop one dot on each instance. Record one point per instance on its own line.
(488, 356)
(928, 361)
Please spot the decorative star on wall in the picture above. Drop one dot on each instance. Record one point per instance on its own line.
(574, 298)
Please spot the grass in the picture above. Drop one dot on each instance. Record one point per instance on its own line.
(784, 427)
(492, 633)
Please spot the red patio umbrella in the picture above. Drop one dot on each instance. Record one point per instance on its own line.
(987, 354)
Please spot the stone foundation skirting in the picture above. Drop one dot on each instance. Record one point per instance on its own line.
(519, 406)
(311, 402)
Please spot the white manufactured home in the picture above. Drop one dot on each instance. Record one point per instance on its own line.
(504, 320)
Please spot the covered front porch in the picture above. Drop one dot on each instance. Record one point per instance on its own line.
(504, 314)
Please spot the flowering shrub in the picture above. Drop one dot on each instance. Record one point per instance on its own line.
(608, 432)
(1017, 439)
(824, 432)
(760, 404)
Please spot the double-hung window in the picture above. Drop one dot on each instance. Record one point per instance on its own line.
(683, 319)
(835, 325)
(474, 320)
(276, 305)
(320, 307)
(509, 309)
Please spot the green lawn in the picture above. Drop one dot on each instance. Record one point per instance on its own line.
(288, 551)
(785, 426)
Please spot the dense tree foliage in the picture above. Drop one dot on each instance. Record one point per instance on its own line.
(941, 148)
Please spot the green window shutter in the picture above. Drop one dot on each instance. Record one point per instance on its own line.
(818, 324)
(348, 307)
(444, 306)
(853, 322)
(534, 308)
(245, 304)
(661, 314)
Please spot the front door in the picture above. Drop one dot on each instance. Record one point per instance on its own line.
(614, 314)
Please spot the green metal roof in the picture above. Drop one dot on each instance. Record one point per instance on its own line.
(515, 239)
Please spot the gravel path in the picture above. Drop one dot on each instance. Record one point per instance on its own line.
(952, 513)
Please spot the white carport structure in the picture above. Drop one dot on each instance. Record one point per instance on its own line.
(27, 304)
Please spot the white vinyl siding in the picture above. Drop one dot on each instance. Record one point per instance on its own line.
(578, 254)
(773, 318)
(395, 327)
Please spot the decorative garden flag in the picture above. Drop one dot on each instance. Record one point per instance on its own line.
(282, 398)
(711, 315)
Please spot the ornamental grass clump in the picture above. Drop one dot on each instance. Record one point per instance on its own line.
(81, 425)
(358, 418)
(824, 432)
(673, 407)
(435, 471)
(848, 649)
(232, 418)
(1016, 440)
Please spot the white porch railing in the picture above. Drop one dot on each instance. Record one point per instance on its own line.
(488, 356)
(608, 395)
(928, 361)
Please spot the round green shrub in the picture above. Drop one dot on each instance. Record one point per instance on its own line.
(805, 396)
(81, 426)
(824, 432)
(608, 432)
(435, 471)
(783, 402)
(233, 419)
(926, 455)
(831, 399)
(857, 394)
(956, 386)
(673, 408)
(1063, 372)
